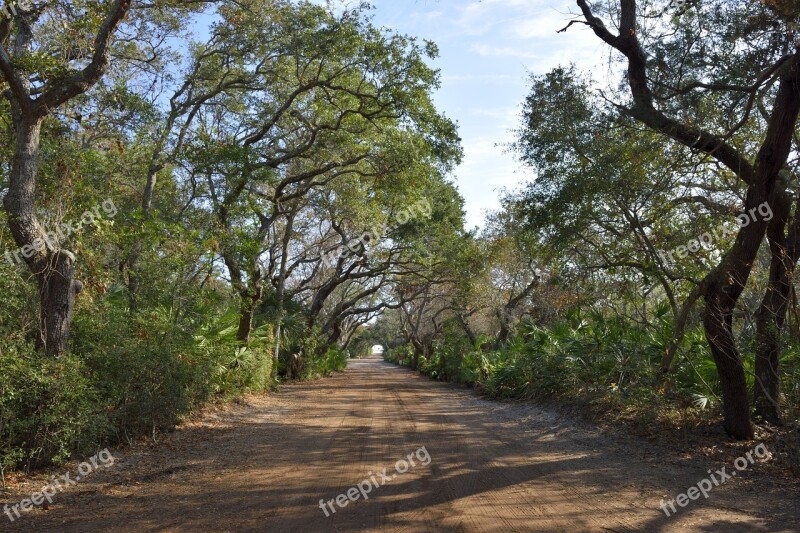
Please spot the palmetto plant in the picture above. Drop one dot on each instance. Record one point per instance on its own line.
(235, 365)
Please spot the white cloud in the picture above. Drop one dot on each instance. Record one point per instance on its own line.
(487, 50)
(479, 18)
(487, 169)
(426, 17)
(479, 77)
(504, 117)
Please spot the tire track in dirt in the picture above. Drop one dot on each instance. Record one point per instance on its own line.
(523, 508)
(471, 512)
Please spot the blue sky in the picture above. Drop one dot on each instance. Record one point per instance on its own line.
(487, 50)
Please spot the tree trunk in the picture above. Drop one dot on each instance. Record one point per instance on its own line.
(57, 291)
(287, 235)
(473, 340)
(771, 314)
(724, 285)
(505, 314)
(335, 333)
(678, 332)
(718, 322)
(769, 324)
(505, 328)
(54, 268)
(246, 321)
(250, 294)
(136, 249)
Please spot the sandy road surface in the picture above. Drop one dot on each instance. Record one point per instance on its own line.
(265, 466)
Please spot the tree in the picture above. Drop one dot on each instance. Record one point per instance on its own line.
(34, 93)
(661, 84)
(515, 275)
(318, 104)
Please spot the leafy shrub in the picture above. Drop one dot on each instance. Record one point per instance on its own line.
(334, 360)
(607, 361)
(126, 376)
(49, 409)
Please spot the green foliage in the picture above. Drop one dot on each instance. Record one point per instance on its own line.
(402, 355)
(236, 368)
(333, 360)
(152, 372)
(603, 360)
(127, 376)
(49, 408)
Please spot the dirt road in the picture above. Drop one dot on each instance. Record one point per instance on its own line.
(265, 465)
